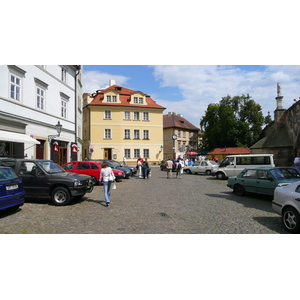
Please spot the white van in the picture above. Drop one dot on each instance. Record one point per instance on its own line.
(232, 165)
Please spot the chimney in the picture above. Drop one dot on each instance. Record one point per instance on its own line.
(112, 82)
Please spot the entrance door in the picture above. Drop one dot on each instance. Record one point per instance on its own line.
(62, 155)
(39, 153)
(107, 153)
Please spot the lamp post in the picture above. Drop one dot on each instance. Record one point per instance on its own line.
(58, 128)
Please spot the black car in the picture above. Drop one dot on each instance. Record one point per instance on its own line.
(43, 177)
(133, 170)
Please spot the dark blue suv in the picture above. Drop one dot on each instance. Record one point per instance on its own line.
(12, 194)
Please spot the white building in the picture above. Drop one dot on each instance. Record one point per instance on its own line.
(33, 99)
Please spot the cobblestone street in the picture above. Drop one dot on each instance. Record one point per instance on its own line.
(193, 204)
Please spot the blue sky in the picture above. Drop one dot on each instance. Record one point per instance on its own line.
(189, 89)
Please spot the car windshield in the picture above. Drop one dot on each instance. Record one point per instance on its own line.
(115, 164)
(7, 174)
(50, 167)
(277, 174)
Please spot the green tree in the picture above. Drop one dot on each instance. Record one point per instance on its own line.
(233, 122)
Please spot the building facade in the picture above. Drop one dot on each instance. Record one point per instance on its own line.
(33, 99)
(120, 122)
(282, 136)
(180, 136)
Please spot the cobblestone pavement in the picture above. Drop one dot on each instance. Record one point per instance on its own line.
(193, 204)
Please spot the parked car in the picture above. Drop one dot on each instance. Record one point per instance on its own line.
(261, 180)
(286, 203)
(43, 177)
(204, 166)
(113, 166)
(91, 168)
(232, 165)
(12, 194)
(133, 170)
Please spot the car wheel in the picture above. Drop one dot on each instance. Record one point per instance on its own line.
(188, 171)
(220, 176)
(239, 190)
(60, 196)
(291, 220)
(208, 172)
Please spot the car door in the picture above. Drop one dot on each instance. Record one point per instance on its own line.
(203, 166)
(265, 183)
(83, 168)
(33, 183)
(249, 181)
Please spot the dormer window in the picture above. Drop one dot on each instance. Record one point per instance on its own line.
(135, 100)
(138, 98)
(108, 98)
(141, 100)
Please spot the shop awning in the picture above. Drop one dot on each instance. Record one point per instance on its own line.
(7, 136)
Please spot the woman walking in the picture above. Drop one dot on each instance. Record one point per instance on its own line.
(107, 177)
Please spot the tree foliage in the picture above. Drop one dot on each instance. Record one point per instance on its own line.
(233, 122)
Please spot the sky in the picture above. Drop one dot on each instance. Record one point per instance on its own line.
(189, 89)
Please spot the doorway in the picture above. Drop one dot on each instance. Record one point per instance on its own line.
(107, 153)
(62, 155)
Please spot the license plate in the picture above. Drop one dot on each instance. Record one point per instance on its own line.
(11, 187)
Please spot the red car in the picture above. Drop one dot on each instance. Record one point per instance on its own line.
(90, 168)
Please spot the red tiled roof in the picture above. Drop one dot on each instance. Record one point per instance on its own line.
(173, 120)
(230, 151)
(124, 96)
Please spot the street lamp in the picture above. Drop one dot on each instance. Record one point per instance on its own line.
(58, 128)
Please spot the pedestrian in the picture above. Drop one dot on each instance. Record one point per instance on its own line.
(179, 168)
(139, 166)
(124, 160)
(145, 169)
(107, 177)
(169, 165)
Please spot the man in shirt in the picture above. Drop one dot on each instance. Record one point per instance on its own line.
(169, 165)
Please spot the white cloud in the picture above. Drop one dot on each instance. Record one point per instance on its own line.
(94, 80)
(202, 85)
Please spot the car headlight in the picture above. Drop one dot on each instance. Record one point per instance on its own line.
(77, 182)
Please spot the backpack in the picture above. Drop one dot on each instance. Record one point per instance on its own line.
(179, 166)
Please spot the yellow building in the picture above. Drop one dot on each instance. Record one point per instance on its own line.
(120, 122)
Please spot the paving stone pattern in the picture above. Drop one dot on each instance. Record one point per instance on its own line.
(193, 204)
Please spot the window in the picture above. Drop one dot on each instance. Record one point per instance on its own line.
(136, 153)
(179, 133)
(15, 87)
(141, 101)
(114, 98)
(126, 133)
(40, 98)
(146, 134)
(250, 174)
(145, 116)
(83, 166)
(146, 153)
(63, 74)
(135, 100)
(184, 134)
(108, 98)
(107, 114)
(107, 133)
(63, 108)
(127, 153)
(126, 115)
(136, 116)
(136, 134)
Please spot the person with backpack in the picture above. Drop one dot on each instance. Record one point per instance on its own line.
(179, 168)
(145, 169)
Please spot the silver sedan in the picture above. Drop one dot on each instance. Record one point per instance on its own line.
(286, 203)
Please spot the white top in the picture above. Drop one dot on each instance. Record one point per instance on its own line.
(104, 174)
